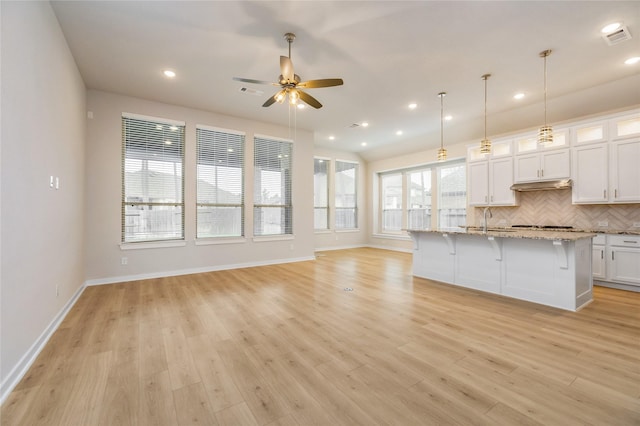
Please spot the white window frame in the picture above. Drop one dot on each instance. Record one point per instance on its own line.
(326, 207)
(175, 133)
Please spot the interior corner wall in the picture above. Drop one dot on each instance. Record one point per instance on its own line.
(104, 188)
(43, 133)
(332, 239)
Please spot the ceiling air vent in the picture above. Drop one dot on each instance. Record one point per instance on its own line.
(251, 91)
(354, 125)
(617, 36)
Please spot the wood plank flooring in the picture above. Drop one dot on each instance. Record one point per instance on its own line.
(286, 345)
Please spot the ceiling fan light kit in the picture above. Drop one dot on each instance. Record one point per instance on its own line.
(290, 83)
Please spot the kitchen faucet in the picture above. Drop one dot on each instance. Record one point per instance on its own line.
(484, 217)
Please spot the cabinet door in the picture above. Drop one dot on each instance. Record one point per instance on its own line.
(555, 165)
(590, 174)
(478, 183)
(625, 171)
(500, 181)
(527, 168)
(598, 263)
(625, 265)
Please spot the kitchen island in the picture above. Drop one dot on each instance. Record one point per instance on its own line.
(552, 268)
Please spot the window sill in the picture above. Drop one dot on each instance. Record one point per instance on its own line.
(323, 231)
(402, 237)
(219, 240)
(347, 230)
(152, 244)
(268, 238)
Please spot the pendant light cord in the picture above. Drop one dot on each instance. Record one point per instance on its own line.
(485, 106)
(441, 120)
(545, 88)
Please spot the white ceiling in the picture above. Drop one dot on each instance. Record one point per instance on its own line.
(389, 53)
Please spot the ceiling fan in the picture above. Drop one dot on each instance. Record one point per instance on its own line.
(290, 83)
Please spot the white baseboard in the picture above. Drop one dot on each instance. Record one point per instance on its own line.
(340, 247)
(20, 369)
(137, 277)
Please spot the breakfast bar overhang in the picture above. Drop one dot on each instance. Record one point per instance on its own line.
(547, 267)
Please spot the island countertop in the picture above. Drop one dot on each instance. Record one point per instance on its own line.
(533, 234)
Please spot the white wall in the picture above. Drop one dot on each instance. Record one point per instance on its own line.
(332, 239)
(104, 186)
(43, 133)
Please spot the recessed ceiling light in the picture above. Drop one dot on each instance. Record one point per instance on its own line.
(169, 73)
(633, 60)
(399, 132)
(363, 144)
(300, 106)
(331, 137)
(365, 124)
(167, 142)
(518, 96)
(413, 106)
(610, 28)
(448, 117)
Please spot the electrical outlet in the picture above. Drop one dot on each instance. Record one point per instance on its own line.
(636, 224)
(603, 223)
(124, 261)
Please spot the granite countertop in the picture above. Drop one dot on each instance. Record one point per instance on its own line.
(528, 233)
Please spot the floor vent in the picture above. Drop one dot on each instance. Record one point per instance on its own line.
(618, 36)
(348, 289)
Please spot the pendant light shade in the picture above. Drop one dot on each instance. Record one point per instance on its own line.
(545, 133)
(485, 144)
(442, 153)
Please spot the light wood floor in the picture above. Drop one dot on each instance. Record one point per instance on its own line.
(286, 345)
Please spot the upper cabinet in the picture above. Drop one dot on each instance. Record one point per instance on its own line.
(490, 176)
(545, 165)
(527, 144)
(606, 158)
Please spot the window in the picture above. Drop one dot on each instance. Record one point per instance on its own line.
(392, 202)
(272, 209)
(321, 193)
(452, 195)
(346, 181)
(152, 179)
(419, 199)
(220, 182)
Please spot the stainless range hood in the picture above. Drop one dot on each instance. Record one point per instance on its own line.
(542, 186)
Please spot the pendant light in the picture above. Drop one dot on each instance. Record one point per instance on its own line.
(442, 153)
(545, 134)
(485, 144)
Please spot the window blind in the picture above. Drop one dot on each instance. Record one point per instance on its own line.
(346, 177)
(220, 182)
(392, 202)
(272, 208)
(152, 179)
(321, 193)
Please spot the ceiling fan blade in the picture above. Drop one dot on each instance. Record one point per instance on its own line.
(307, 98)
(325, 82)
(286, 68)
(270, 101)
(250, 80)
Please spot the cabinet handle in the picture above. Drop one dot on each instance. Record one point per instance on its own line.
(615, 193)
(492, 198)
(632, 242)
(601, 254)
(605, 193)
(613, 257)
(542, 173)
(485, 199)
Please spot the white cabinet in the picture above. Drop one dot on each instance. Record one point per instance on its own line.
(490, 183)
(616, 260)
(624, 171)
(599, 262)
(546, 165)
(624, 259)
(590, 174)
(490, 176)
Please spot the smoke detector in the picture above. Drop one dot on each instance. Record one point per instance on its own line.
(617, 36)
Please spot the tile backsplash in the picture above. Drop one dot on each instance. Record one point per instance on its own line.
(555, 208)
